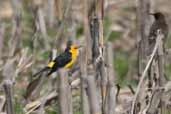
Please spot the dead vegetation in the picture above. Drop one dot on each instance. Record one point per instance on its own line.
(115, 39)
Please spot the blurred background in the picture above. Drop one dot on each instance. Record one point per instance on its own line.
(38, 27)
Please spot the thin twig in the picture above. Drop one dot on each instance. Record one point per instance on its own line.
(158, 39)
(33, 108)
(64, 16)
(34, 105)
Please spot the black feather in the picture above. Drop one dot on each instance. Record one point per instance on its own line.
(41, 71)
(61, 61)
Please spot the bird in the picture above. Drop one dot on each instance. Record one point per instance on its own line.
(158, 24)
(64, 60)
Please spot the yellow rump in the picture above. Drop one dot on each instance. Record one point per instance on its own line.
(51, 64)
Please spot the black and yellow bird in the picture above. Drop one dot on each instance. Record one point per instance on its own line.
(158, 24)
(64, 60)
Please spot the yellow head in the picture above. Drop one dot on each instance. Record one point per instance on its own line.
(74, 51)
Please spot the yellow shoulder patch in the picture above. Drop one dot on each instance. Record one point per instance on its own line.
(51, 64)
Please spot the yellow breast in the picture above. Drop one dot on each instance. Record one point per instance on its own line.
(74, 54)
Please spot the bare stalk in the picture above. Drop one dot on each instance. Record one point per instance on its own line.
(110, 101)
(1, 40)
(84, 97)
(65, 101)
(8, 73)
(158, 40)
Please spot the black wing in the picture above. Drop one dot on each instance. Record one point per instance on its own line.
(63, 59)
(155, 27)
(153, 30)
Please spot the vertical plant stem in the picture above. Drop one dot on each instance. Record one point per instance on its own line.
(65, 101)
(84, 98)
(1, 40)
(110, 101)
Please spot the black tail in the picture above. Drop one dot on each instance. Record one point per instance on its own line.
(51, 72)
(41, 71)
